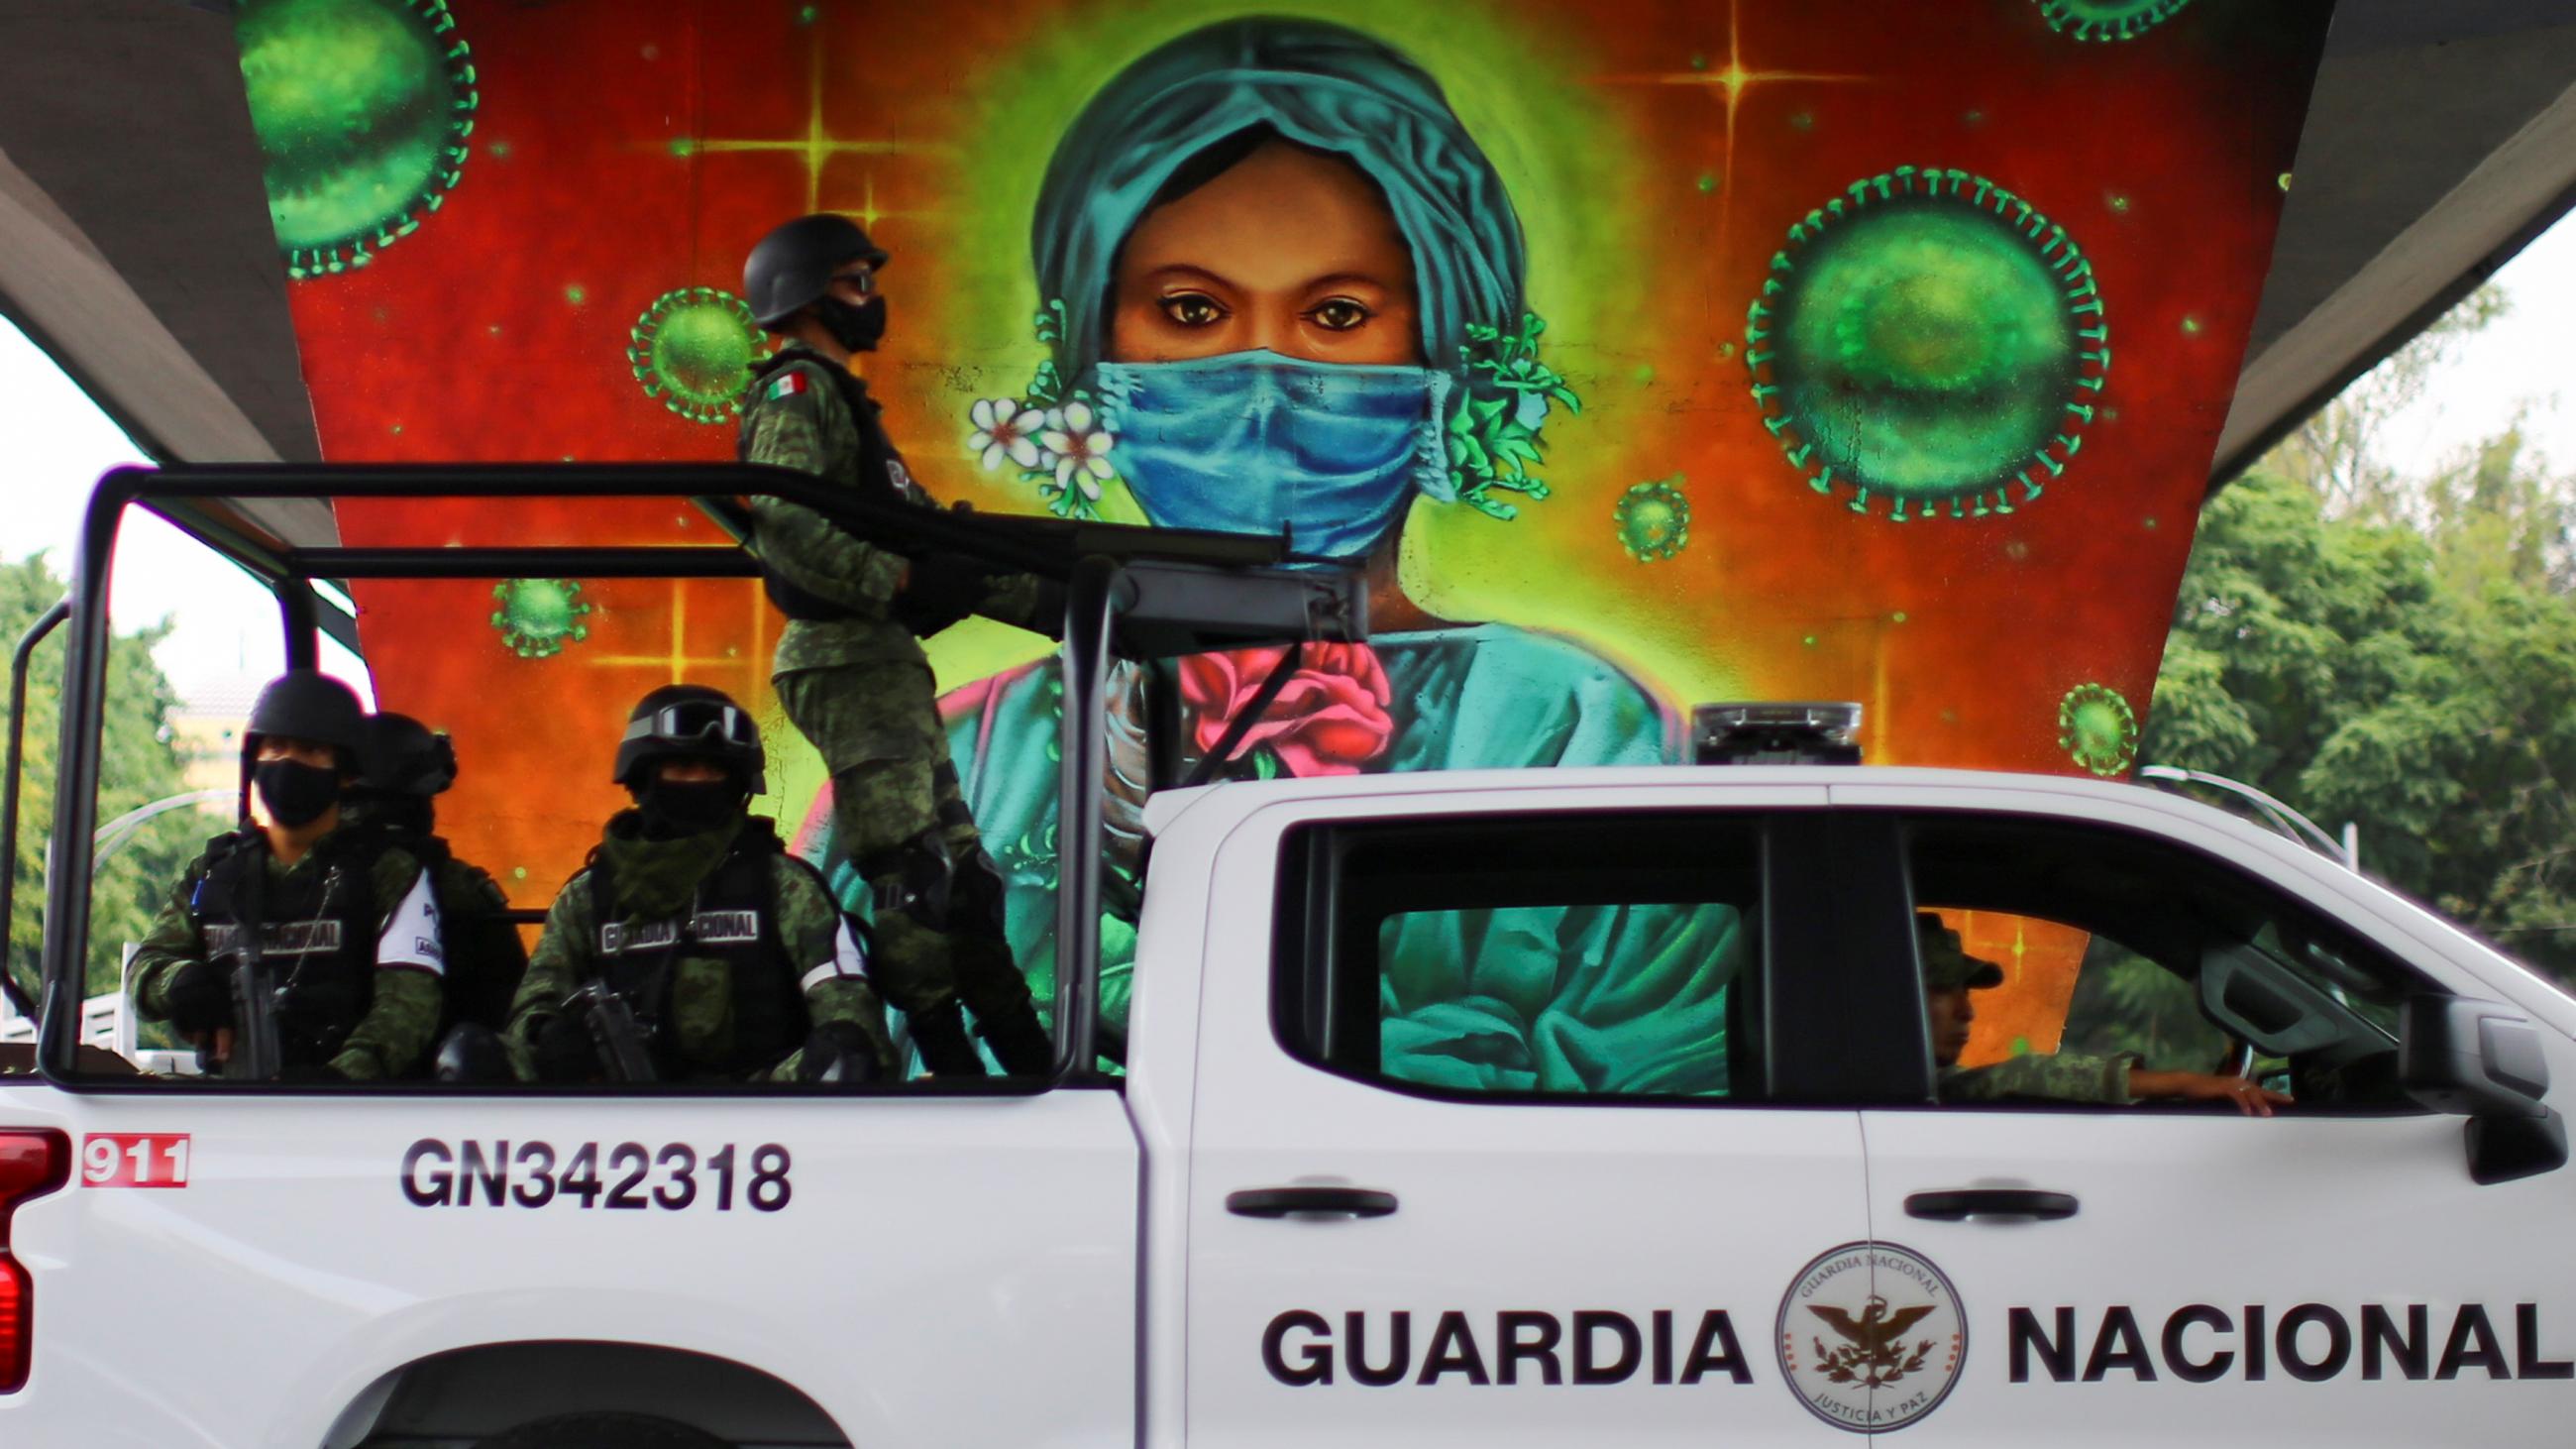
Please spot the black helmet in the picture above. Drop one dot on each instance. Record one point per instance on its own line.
(403, 757)
(306, 704)
(691, 722)
(793, 265)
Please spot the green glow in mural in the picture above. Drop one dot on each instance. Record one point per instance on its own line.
(693, 349)
(1928, 337)
(2096, 727)
(363, 108)
(538, 617)
(1654, 520)
(2108, 19)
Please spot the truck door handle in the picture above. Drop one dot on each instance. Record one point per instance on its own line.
(1962, 1203)
(1279, 1202)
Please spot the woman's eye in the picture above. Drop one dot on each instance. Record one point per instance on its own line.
(1192, 309)
(1341, 314)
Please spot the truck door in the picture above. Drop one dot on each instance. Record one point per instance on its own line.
(1485, 1156)
(2175, 1270)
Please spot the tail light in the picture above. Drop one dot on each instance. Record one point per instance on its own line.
(31, 1165)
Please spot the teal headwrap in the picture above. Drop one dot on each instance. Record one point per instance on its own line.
(1319, 84)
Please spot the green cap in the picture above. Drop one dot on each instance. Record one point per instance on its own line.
(1947, 966)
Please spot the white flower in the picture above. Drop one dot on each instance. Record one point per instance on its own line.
(1080, 446)
(1004, 429)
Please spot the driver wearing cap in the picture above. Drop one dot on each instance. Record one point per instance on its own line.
(1950, 974)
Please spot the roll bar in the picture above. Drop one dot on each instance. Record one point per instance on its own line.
(1137, 593)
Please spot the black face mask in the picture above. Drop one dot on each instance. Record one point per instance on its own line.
(856, 328)
(672, 810)
(296, 794)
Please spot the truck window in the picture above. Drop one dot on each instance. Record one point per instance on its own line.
(2074, 948)
(1575, 957)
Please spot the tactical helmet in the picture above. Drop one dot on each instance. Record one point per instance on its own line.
(792, 266)
(691, 722)
(403, 757)
(306, 704)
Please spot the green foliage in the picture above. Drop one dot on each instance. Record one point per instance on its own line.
(2399, 653)
(138, 764)
(1493, 432)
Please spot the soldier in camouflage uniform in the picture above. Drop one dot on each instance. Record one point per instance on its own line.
(729, 951)
(347, 920)
(1950, 974)
(850, 668)
(405, 768)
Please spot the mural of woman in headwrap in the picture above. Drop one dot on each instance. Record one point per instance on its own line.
(1284, 290)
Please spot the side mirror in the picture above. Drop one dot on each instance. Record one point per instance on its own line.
(2480, 1060)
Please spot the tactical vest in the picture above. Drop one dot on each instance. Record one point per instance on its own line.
(733, 923)
(485, 955)
(317, 934)
(876, 476)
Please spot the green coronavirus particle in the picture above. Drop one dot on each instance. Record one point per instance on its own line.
(1927, 339)
(1654, 520)
(362, 108)
(2108, 19)
(693, 349)
(538, 617)
(2097, 727)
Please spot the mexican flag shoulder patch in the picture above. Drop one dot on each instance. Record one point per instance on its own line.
(786, 384)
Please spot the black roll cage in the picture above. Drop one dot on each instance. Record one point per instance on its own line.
(1134, 593)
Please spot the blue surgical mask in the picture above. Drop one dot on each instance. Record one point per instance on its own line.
(1250, 442)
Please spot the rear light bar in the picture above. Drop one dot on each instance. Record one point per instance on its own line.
(32, 1163)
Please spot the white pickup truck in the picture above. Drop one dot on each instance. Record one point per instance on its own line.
(1283, 1227)
(1537, 1108)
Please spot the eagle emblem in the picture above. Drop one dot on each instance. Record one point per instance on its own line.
(1872, 1352)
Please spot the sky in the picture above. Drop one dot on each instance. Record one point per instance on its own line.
(2520, 359)
(59, 443)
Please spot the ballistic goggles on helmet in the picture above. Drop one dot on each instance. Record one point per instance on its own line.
(697, 722)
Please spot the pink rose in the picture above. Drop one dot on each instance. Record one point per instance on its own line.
(1329, 720)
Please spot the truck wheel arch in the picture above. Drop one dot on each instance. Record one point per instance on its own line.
(487, 1390)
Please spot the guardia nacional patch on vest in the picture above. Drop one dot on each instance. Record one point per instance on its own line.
(712, 928)
(785, 384)
(278, 938)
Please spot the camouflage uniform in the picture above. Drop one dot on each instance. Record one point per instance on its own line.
(657, 882)
(2055, 1077)
(859, 686)
(405, 1004)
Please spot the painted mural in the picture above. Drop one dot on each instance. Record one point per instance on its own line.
(1643, 352)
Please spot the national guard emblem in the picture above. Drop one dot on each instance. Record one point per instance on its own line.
(1871, 1337)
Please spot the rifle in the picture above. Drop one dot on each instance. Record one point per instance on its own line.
(1011, 542)
(614, 1031)
(255, 1055)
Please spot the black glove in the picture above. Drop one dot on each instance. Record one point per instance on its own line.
(200, 999)
(840, 1053)
(941, 589)
(1020, 1043)
(940, 1036)
(565, 1052)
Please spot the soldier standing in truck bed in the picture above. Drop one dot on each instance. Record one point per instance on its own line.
(850, 668)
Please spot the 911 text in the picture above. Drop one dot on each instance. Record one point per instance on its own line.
(625, 1175)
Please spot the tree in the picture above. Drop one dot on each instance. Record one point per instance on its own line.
(138, 763)
(2400, 653)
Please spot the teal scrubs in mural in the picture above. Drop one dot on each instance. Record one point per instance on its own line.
(1599, 999)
